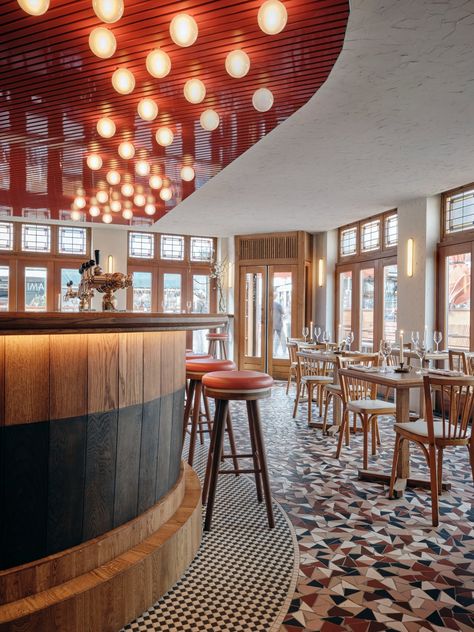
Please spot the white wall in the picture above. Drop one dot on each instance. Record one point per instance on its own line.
(111, 241)
(325, 248)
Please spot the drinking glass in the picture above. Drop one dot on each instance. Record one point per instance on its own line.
(326, 339)
(317, 333)
(189, 306)
(415, 338)
(437, 338)
(385, 351)
(349, 340)
(420, 351)
(305, 332)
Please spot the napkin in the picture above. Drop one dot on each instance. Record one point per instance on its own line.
(446, 372)
(366, 369)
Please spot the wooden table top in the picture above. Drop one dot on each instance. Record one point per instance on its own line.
(391, 379)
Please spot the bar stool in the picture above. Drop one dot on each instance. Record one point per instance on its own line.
(218, 344)
(225, 386)
(195, 369)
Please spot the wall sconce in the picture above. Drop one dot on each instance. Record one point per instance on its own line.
(110, 264)
(410, 256)
(321, 272)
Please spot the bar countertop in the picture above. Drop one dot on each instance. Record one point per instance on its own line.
(15, 323)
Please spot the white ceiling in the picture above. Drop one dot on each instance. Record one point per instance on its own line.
(394, 121)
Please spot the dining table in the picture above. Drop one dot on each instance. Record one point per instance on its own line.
(402, 384)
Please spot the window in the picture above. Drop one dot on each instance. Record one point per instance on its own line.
(459, 211)
(4, 287)
(390, 288)
(345, 303)
(142, 288)
(141, 245)
(35, 289)
(201, 248)
(458, 300)
(6, 236)
(68, 275)
(172, 247)
(171, 293)
(35, 238)
(367, 305)
(391, 231)
(72, 241)
(370, 236)
(348, 243)
(201, 294)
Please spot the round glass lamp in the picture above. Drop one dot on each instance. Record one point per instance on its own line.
(150, 209)
(142, 167)
(147, 110)
(164, 136)
(123, 81)
(194, 91)
(209, 120)
(262, 99)
(79, 202)
(108, 10)
(107, 218)
(158, 63)
(155, 182)
(94, 162)
(127, 189)
(139, 199)
(237, 64)
(187, 173)
(34, 7)
(94, 211)
(183, 29)
(272, 17)
(126, 150)
(166, 194)
(106, 127)
(102, 42)
(115, 206)
(113, 177)
(102, 197)
(127, 214)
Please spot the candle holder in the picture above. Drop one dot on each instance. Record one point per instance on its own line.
(402, 368)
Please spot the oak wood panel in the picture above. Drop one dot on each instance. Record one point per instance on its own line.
(26, 379)
(179, 360)
(164, 446)
(107, 597)
(103, 362)
(130, 371)
(149, 454)
(128, 463)
(34, 577)
(152, 364)
(68, 376)
(176, 439)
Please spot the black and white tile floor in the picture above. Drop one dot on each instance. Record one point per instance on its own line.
(244, 574)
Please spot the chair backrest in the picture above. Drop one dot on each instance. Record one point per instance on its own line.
(457, 405)
(354, 388)
(311, 345)
(458, 361)
(292, 349)
(309, 365)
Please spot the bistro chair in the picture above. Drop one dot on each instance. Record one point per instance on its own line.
(293, 368)
(313, 374)
(458, 361)
(433, 436)
(360, 397)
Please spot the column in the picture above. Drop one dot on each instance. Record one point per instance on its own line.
(325, 249)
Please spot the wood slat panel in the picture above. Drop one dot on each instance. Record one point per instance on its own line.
(164, 446)
(103, 363)
(152, 360)
(149, 454)
(68, 376)
(130, 369)
(26, 379)
(128, 463)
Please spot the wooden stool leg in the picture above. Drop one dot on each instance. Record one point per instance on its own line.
(263, 464)
(212, 447)
(187, 409)
(208, 413)
(256, 463)
(195, 421)
(218, 431)
(224, 349)
(396, 454)
(342, 432)
(310, 401)
(373, 424)
(434, 485)
(365, 430)
(233, 449)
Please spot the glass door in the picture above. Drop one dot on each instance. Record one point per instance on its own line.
(366, 310)
(253, 299)
(35, 286)
(172, 292)
(281, 316)
(5, 292)
(344, 304)
(390, 293)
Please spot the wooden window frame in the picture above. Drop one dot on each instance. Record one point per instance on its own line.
(459, 237)
(360, 255)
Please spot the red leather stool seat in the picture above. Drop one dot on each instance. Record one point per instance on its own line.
(237, 380)
(197, 356)
(205, 365)
(217, 336)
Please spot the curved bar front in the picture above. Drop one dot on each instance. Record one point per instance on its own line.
(90, 468)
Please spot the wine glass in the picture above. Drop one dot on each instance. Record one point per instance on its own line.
(189, 306)
(415, 338)
(385, 351)
(420, 351)
(437, 338)
(326, 339)
(305, 332)
(349, 340)
(317, 333)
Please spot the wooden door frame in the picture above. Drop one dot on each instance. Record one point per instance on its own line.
(280, 365)
(243, 360)
(12, 263)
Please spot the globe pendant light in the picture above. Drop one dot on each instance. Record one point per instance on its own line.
(166, 194)
(183, 29)
(142, 168)
(113, 177)
(102, 42)
(94, 162)
(115, 206)
(209, 120)
(76, 215)
(106, 127)
(123, 81)
(126, 150)
(139, 199)
(107, 218)
(262, 99)
(127, 189)
(34, 7)
(94, 211)
(237, 64)
(164, 136)
(102, 197)
(150, 209)
(158, 63)
(79, 202)
(272, 17)
(194, 91)
(147, 110)
(155, 182)
(127, 214)
(187, 173)
(108, 10)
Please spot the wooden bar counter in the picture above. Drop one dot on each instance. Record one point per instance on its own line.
(99, 516)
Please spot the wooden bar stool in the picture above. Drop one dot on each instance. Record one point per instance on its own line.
(195, 369)
(225, 386)
(218, 344)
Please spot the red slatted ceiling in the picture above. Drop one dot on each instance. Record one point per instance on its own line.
(53, 89)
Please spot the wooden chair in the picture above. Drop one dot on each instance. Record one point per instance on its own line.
(433, 436)
(293, 368)
(458, 362)
(360, 397)
(312, 374)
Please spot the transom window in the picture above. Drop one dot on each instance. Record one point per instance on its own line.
(348, 242)
(459, 211)
(141, 245)
(201, 248)
(370, 236)
(172, 247)
(391, 231)
(72, 241)
(35, 238)
(6, 236)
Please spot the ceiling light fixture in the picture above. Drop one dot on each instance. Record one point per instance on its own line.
(102, 197)
(76, 215)
(79, 202)
(158, 63)
(194, 91)
(126, 150)
(115, 206)
(155, 182)
(166, 194)
(147, 110)
(106, 127)
(113, 177)
(209, 120)
(142, 168)
(94, 211)
(34, 7)
(108, 10)
(272, 17)
(262, 99)
(150, 209)
(187, 173)
(164, 136)
(94, 162)
(237, 64)
(123, 81)
(102, 42)
(107, 218)
(127, 189)
(139, 199)
(183, 29)
(127, 214)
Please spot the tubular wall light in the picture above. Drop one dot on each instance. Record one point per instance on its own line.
(321, 272)
(410, 256)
